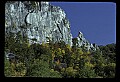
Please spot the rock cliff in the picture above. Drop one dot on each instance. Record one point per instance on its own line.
(40, 20)
(82, 42)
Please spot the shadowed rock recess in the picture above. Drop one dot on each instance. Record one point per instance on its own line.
(42, 21)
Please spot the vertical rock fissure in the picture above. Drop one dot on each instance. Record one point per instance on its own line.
(51, 22)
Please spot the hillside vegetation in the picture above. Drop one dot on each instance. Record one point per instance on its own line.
(57, 60)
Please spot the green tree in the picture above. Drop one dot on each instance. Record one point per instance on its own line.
(75, 43)
(70, 72)
(109, 70)
(9, 69)
(41, 68)
(109, 52)
(12, 70)
(87, 72)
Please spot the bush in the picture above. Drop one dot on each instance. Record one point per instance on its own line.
(109, 70)
(9, 69)
(41, 68)
(70, 72)
(87, 72)
(14, 70)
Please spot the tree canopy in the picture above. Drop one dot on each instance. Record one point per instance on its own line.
(58, 60)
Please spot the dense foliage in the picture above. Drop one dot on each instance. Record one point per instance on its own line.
(57, 60)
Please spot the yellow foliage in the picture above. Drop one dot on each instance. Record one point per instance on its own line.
(52, 70)
(80, 51)
(88, 52)
(59, 49)
(81, 56)
(78, 58)
(70, 71)
(22, 71)
(59, 52)
(103, 64)
(53, 55)
(63, 52)
(73, 56)
(28, 45)
(77, 67)
(58, 62)
(112, 64)
(68, 46)
(43, 44)
(63, 69)
(46, 45)
(89, 64)
(13, 66)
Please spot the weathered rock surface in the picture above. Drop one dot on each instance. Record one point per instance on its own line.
(85, 43)
(43, 21)
(40, 20)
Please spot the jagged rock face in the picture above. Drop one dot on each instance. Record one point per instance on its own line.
(42, 21)
(83, 42)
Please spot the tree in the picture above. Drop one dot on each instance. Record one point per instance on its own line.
(40, 68)
(12, 70)
(87, 72)
(70, 72)
(75, 43)
(9, 69)
(109, 70)
(109, 52)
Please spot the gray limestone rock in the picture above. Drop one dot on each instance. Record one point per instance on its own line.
(83, 42)
(42, 21)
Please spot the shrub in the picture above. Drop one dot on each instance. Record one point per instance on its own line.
(41, 68)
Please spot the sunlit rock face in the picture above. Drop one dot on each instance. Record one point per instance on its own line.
(82, 42)
(42, 21)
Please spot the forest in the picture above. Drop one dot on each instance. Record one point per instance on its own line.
(57, 60)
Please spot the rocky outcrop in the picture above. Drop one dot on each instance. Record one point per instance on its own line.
(42, 21)
(82, 42)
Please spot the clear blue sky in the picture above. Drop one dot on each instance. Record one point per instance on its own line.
(97, 21)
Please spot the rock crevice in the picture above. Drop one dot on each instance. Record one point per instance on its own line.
(42, 21)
